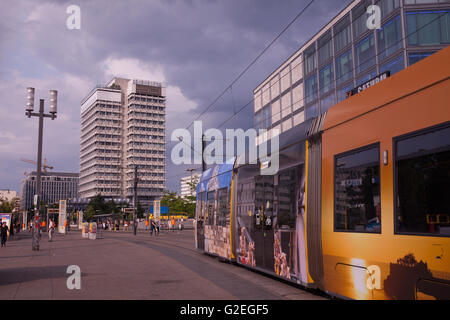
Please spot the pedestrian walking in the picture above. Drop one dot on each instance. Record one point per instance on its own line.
(173, 224)
(51, 226)
(125, 226)
(11, 229)
(151, 226)
(4, 233)
(158, 224)
(154, 228)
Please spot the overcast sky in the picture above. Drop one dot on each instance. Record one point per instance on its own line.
(196, 47)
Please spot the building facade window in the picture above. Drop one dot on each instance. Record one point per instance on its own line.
(428, 27)
(344, 67)
(366, 77)
(414, 57)
(387, 6)
(360, 18)
(422, 167)
(311, 88)
(365, 54)
(327, 102)
(310, 59)
(259, 120)
(394, 65)
(390, 38)
(326, 78)
(425, 1)
(325, 47)
(342, 34)
(342, 92)
(312, 111)
(357, 202)
(267, 117)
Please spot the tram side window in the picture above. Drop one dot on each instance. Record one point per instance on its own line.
(287, 211)
(210, 207)
(423, 182)
(223, 210)
(201, 206)
(357, 205)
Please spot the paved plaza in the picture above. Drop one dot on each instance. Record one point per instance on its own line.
(123, 266)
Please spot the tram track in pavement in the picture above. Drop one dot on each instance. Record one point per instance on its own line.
(205, 264)
(161, 239)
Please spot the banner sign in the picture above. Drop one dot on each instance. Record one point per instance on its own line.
(80, 219)
(84, 230)
(62, 216)
(6, 217)
(93, 230)
(157, 209)
(368, 84)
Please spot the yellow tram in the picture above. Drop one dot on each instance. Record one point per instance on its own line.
(360, 207)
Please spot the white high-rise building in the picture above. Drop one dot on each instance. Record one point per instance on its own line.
(123, 126)
(186, 189)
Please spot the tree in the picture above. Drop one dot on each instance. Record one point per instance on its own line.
(6, 206)
(139, 211)
(89, 213)
(98, 204)
(111, 207)
(178, 204)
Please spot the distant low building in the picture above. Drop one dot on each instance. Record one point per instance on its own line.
(7, 195)
(186, 189)
(55, 186)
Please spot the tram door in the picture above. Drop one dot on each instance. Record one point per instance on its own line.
(201, 221)
(263, 221)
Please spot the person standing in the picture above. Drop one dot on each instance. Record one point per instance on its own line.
(173, 223)
(4, 233)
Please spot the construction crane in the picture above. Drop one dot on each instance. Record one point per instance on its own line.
(44, 165)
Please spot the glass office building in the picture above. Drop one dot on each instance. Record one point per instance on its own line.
(346, 54)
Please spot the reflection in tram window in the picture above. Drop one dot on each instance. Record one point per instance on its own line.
(287, 182)
(223, 210)
(210, 207)
(201, 206)
(357, 191)
(264, 189)
(423, 182)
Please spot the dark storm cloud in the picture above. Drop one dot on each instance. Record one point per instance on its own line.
(201, 47)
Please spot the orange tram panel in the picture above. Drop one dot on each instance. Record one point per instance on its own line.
(385, 187)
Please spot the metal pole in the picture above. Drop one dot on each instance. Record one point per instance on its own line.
(135, 200)
(35, 244)
(203, 153)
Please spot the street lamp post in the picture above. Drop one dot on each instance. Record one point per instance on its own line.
(190, 187)
(29, 113)
(135, 182)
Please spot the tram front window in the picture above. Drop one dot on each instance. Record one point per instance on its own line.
(423, 182)
(223, 210)
(357, 205)
(210, 207)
